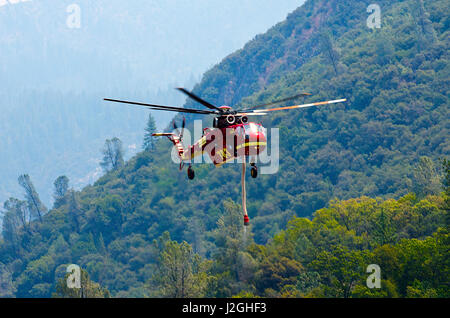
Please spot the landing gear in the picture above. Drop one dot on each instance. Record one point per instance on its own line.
(190, 173)
(254, 170)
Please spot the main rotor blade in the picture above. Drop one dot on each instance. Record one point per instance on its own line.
(250, 114)
(300, 106)
(198, 99)
(182, 110)
(278, 101)
(161, 107)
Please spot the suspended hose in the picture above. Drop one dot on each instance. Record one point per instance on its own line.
(244, 205)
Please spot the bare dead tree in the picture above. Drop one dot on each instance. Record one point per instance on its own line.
(35, 205)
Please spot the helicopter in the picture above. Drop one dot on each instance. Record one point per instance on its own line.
(232, 134)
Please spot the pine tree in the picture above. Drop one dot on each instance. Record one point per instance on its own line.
(61, 188)
(384, 232)
(149, 140)
(74, 211)
(425, 32)
(328, 50)
(101, 248)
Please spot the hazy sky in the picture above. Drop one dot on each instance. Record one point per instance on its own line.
(69, 43)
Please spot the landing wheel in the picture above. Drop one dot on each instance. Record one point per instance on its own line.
(254, 171)
(190, 173)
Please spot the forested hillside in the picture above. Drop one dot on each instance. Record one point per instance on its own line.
(314, 226)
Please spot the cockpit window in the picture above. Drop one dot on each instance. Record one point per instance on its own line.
(253, 128)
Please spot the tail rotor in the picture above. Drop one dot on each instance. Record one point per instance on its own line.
(178, 141)
(182, 128)
(183, 124)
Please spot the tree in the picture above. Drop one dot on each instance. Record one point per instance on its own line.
(16, 215)
(74, 211)
(61, 187)
(425, 30)
(112, 154)
(149, 140)
(19, 210)
(307, 281)
(10, 227)
(180, 272)
(383, 232)
(233, 265)
(89, 289)
(427, 178)
(327, 48)
(275, 272)
(340, 270)
(36, 207)
(446, 168)
(101, 247)
(7, 288)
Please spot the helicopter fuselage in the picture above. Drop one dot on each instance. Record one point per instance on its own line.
(228, 142)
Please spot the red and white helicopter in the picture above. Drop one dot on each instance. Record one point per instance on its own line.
(232, 135)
